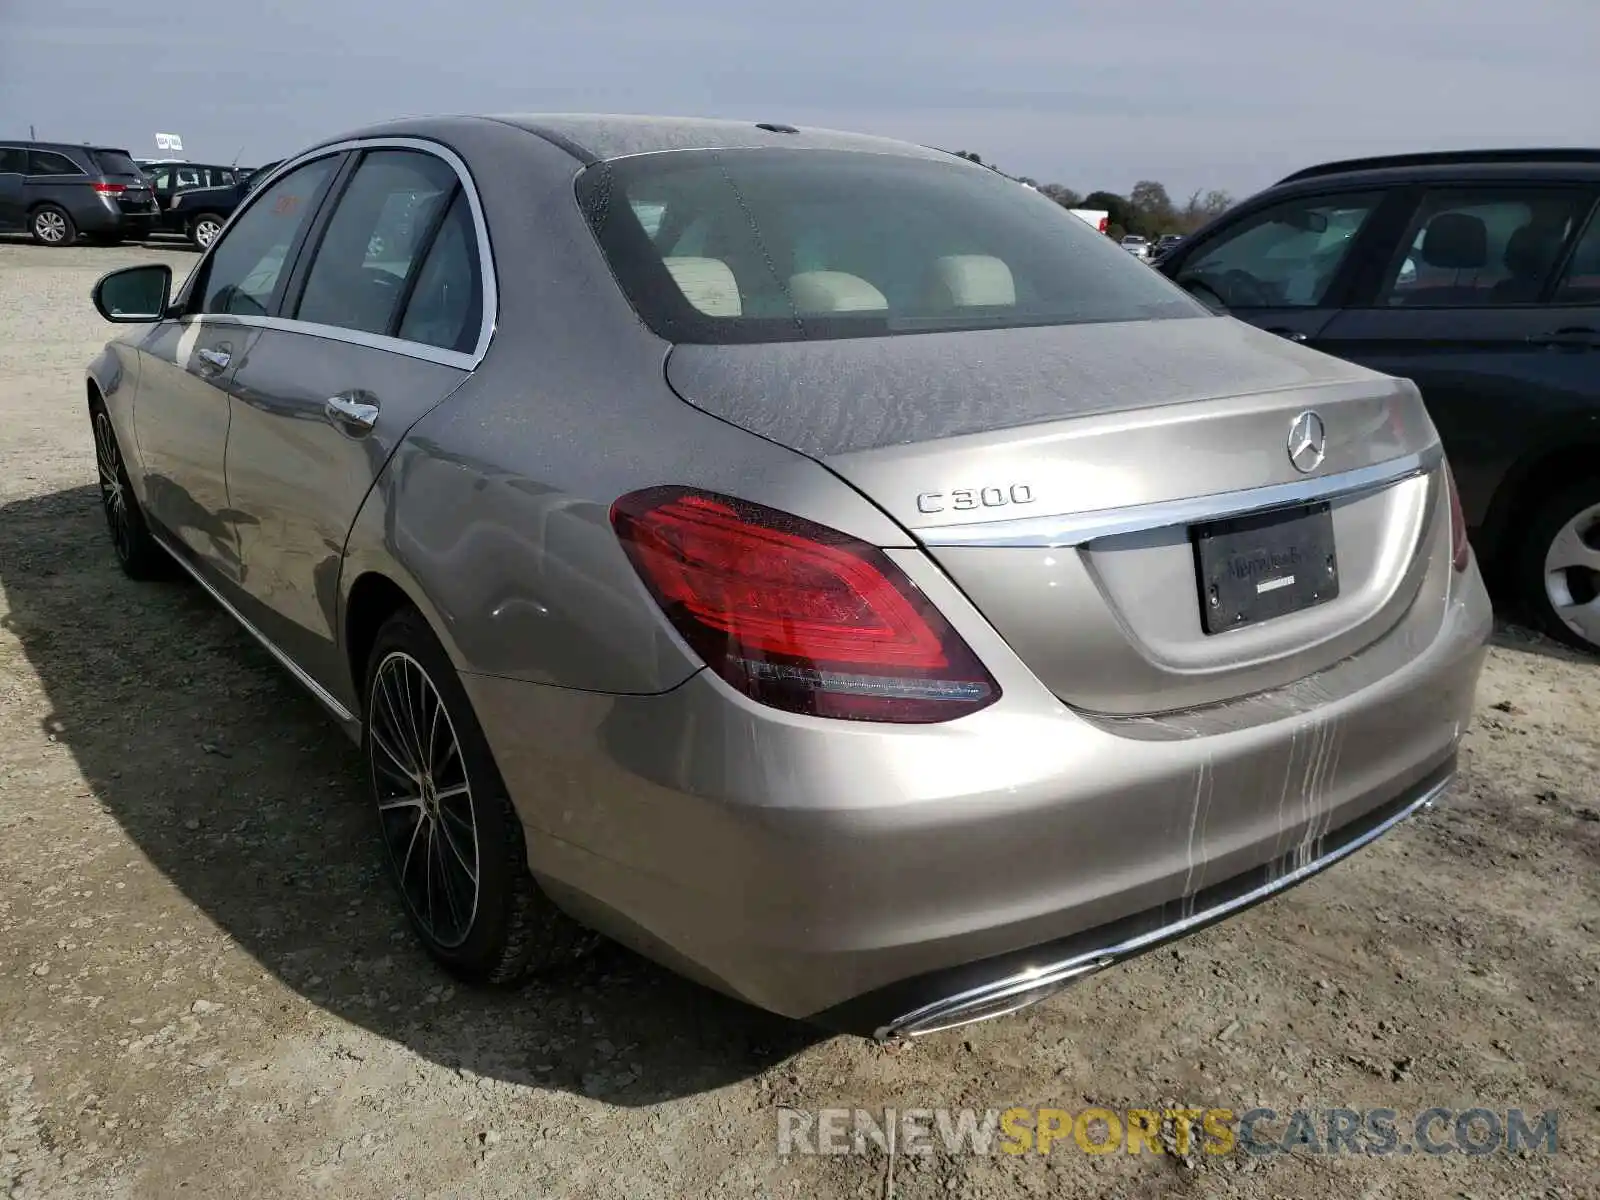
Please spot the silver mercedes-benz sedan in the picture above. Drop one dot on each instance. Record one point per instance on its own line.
(811, 560)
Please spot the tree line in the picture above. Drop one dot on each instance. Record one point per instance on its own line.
(1147, 209)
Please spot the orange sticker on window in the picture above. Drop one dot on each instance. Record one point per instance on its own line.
(285, 204)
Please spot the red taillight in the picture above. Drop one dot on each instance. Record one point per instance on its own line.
(1105, 224)
(796, 615)
(1460, 550)
(111, 189)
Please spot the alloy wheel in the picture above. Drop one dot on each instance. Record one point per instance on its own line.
(51, 226)
(424, 799)
(205, 232)
(113, 495)
(1572, 574)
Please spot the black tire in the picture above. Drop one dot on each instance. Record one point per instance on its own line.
(203, 229)
(138, 554)
(1578, 503)
(51, 226)
(510, 929)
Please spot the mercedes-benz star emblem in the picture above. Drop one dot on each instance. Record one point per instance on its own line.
(1308, 442)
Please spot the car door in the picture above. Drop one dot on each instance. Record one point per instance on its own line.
(13, 165)
(382, 321)
(1466, 309)
(1285, 264)
(182, 413)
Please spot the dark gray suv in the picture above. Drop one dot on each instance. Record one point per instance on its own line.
(57, 191)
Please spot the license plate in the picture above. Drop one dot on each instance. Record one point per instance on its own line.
(1266, 565)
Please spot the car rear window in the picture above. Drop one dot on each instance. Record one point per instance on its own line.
(115, 162)
(786, 245)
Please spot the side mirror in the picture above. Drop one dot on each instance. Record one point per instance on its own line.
(134, 295)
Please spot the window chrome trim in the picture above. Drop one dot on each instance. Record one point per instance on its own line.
(488, 318)
(1075, 529)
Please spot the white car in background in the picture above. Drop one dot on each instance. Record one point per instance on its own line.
(1137, 246)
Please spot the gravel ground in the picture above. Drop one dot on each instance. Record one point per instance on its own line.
(206, 987)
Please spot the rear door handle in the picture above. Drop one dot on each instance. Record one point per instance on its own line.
(353, 413)
(1574, 338)
(215, 357)
(1293, 335)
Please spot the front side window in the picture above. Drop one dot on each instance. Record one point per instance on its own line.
(13, 161)
(783, 245)
(375, 239)
(247, 263)
(1469, 248)
(1286, 256)
(48, 162)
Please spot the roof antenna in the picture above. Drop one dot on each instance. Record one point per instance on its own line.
(235, 161)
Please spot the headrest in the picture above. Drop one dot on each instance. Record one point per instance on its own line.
(706, 283)
(1456, 242)
(971, 280)
(1530, 251)
(834, 292)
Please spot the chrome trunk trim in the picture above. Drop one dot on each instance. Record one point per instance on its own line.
(1075, 529)
(1024, 988)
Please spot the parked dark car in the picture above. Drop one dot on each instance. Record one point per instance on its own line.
(57, 191)
(1477, 276)
(1168, 242)
(254, 176)
(196, 198)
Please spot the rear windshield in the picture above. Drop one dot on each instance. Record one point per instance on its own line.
(115, 162)
(788, 245)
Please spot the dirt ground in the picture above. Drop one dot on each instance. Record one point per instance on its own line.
(207, 989)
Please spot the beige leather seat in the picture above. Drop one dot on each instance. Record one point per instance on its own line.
(706, 283)
(834, 292)
(971, 281)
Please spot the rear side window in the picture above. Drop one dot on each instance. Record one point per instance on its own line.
(48, 162)
(446, 304)
(374, 239)
(1580, 282)
(115, 162)
(784, 245)
(1285, 256)
(1469, 248)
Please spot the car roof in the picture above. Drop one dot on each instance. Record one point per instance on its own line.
(600, 137)
(25, 144)
(1558, 163)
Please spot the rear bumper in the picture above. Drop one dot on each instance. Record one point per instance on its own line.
(100, 219)
(998, 986)
(853, 874)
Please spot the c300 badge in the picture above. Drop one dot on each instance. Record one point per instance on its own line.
(971, 499)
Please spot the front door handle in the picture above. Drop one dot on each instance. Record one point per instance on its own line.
(215, 357)
(1576, 337)
(353, 413)
(1293, 335)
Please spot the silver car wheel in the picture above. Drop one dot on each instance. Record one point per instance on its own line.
(205, 232)
(50, 226)
(424, 799)
(112, 496)
(1572, 574)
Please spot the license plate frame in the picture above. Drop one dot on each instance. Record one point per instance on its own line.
(1262, 566)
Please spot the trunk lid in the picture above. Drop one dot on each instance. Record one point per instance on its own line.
(1060, 476)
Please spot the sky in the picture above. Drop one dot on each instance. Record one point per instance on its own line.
(1198, 94)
